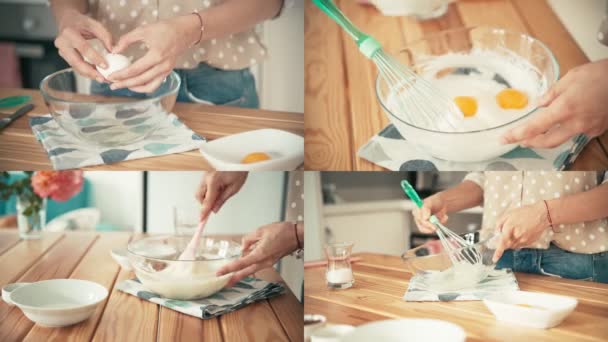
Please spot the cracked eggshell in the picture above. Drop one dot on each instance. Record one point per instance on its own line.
(115, 62)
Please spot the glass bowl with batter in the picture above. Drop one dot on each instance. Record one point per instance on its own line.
(477, 63)
(95, 114)
(155, 263)
(437, 273)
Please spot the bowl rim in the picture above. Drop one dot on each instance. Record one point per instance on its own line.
(406, 258)
(469, 28)
(47, 96)
(188, 237)
(70, 307)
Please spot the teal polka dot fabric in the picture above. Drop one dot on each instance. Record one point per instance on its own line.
(69, 152)
(394, 152)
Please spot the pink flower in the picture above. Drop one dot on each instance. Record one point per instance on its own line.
(58, 185)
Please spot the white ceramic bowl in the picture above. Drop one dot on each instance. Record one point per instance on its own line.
(56, 302)
(411, 330)
(182, 279)
(474, 145)
(331, 333)
(532, 309)
(312, 323)
(286, 150)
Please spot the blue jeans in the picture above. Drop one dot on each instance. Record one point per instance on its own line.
(558, 263)
(205, 84)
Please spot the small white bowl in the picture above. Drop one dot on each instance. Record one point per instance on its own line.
(532, 309)
(121, 256)
(310, 328)
(56, 302)
(331, 333)
(286, 150)
(412, 330)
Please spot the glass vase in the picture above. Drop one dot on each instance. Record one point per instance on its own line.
(30, 226)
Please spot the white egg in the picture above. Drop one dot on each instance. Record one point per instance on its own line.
(115, 62)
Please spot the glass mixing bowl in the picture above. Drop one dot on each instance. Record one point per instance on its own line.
(94, 113)
(469, 146)
(156, 265)
(431, 262)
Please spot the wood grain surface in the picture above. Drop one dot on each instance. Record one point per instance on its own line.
(19, 149)
(342, 113)
(123, 317)
(381, 282)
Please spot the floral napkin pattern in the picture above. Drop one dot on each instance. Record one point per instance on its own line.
(497, 281)
(394, 152)
(69, 152)
(245, 292)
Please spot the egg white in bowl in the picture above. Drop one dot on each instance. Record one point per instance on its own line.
(500, 74)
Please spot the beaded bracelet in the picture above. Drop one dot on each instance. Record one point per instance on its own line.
(200, 19)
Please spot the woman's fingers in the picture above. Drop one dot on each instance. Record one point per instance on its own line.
(84, 48)
(224, 196)
(541, 123)
(149, 87)
(141, 79)
(239, 264)
(553, 138)
(131, 37)
(238, 276)
(75, 60)
(140, 66)
(506, 241)
(101, 33)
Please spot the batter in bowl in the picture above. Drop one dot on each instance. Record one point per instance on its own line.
(491, 89)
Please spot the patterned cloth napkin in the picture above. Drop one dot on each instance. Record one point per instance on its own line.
(390, 150)
(68, 152)
(497, 281)
(247, 291)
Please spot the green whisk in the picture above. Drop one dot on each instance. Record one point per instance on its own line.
(416, 100)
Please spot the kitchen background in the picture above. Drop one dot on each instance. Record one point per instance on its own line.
(370, 210)
(28, 54)
(144, 201)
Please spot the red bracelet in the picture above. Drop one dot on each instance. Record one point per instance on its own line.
(295, 230)
(549, 215)
(200, 18)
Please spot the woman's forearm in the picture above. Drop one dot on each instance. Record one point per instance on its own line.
(463, 196)
(585, 206)
(233, 16)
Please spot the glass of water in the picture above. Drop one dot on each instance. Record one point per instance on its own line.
(186, 218)
(339, 274)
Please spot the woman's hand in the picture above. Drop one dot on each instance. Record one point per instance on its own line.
(521, 227)
(75, 29)
(217, 187)
(434, 205)
(262, 249)
(576, 104)
(166, 40)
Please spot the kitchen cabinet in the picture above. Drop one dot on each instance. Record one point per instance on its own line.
(382, 226)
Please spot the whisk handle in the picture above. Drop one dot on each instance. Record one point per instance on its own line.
(411, 193)
(367, 44)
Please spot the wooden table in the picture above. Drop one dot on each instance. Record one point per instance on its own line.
(19, 149)
(124, 317)
(381, 282)
(342, 113)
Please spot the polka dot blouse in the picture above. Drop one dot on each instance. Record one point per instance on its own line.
(236, 51)
(294, 208)
(507, 190)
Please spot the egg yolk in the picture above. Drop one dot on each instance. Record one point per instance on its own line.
(467, 105)
(255, 158)
(511, 99)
